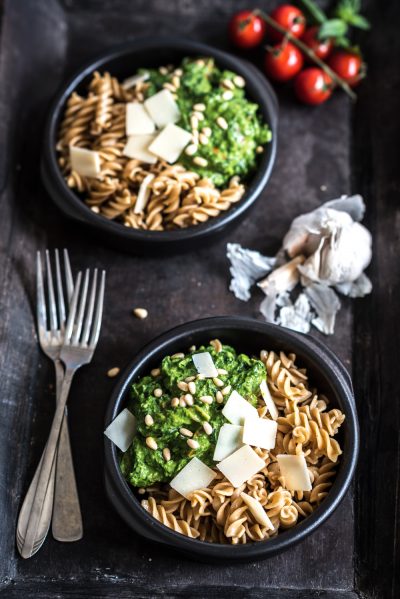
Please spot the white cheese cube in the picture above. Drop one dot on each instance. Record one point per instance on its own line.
(294, 471)
(122, 430)
(170, 143)
(229, 440)
(269, 402)
(260, 432)
(194, 476)
(237, 408)
(138, 121)
(257, 510)
(204, 364)
(241, 465)
(85, 162)
(137, 147)
(162, 108)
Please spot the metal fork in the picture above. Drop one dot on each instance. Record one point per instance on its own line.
(62, 504)
(80, 339)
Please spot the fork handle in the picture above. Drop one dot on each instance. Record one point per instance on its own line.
(49, 455)
(67, 518)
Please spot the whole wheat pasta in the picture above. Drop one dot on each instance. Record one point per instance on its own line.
(179, 198)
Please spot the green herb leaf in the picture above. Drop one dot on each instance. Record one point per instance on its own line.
(360, 22)
(342, 42)
(332, 28)
(314, 11)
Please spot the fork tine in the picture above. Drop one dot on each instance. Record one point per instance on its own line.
(68, 276)
(72, 310)
(81, 311)
(99, 313)
(89, 316)
(40, 299)
(50, 289)
(60, 293)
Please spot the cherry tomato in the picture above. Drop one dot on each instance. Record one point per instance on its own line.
(322, 48)
(246, 30)
(313, 86)
(290, 18)
(348, 65)
(283, 61)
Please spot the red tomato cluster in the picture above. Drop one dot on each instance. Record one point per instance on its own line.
(285, 61)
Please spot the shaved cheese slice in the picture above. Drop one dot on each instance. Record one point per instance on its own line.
(143, 194)
(194, 476)
(138, 121)
(170, 143)
(257, 510)
(260, 432)
(241, 465)
(84, 162)
(237, 408)
(269, 402)
(204, 364)
(134, 80)
(136, 147)
(122, 430)
(229, 440)
(294, 471)
(162, 108)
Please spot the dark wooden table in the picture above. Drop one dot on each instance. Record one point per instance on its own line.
(323, 153)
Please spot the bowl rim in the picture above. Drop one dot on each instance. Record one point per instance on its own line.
(128, 506)
(72, 204)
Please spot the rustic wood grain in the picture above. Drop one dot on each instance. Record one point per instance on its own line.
(41, 43)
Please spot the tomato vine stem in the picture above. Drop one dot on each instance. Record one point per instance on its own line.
(294, 40)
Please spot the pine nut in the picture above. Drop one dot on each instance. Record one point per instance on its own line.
(217, 345)
(148, 420)
(199, 116)
(188, 379)
(166, 454)
(182, 401)
(189, 399)
(263, 355)
(186, 432)
(158, 392)
(113, 372)
(176, 81)
(203, 139)
(183, 386)
(226, 390)
(140, 313)
(200, 377)
(228, 84)
(219, 397)
(222, 371)
(259, 149)
(228, 95)
(169, 87)
(207, 131)
(175, 402)
(141, 491)
(218, 382)
(178, 355)
(221, 122)
(208, 429)
(206, 399)
(199, 107)
(192, 348)
(151, 443)
(178, 72)
(194, 122)
(192, 387)
(95, 209)
(191, 149)
(155, 372)
(200, 161)
(239, 81)
(193, 444)
(163, 70)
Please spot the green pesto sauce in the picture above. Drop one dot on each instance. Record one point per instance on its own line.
(142, 466)
(229, 152)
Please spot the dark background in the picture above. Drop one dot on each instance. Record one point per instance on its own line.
(337, 148)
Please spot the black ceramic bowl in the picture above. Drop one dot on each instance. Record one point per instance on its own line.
(122, 62)
(247, 335)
